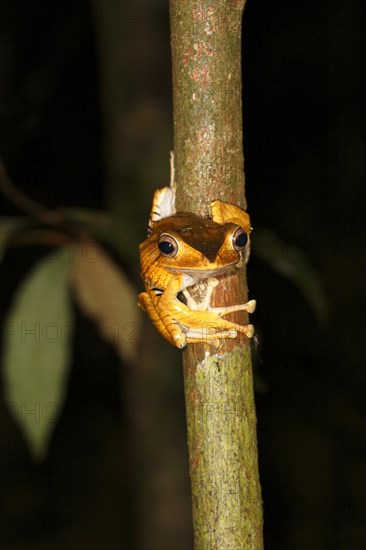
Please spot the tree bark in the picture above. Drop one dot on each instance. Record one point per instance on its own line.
(209, 165)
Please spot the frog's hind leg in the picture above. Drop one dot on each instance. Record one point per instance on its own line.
(203, 325)
(205, 336)
(168, 328)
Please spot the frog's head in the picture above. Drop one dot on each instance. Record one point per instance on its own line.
(199, 247)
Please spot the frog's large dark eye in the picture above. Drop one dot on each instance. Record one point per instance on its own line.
(168, 246)
(240, 239)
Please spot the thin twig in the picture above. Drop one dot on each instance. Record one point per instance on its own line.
(41, 237)
(25, 203)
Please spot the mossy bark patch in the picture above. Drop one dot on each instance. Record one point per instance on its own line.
(226, 499)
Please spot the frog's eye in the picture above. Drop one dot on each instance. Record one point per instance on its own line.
(167, 245)
(240, 239)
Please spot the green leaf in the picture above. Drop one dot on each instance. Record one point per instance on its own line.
(291, 262)
(36, 353)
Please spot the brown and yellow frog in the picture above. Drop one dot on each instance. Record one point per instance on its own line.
(183, 249)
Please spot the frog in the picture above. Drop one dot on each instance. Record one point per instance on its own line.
(183, 250)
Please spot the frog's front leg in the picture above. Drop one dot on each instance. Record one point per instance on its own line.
(212, 283)
(225, 310)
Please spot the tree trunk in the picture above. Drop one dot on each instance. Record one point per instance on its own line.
(221, 420)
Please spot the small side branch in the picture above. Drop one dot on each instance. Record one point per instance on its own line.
(23, 202)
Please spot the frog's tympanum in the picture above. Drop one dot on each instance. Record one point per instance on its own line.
(183, 249)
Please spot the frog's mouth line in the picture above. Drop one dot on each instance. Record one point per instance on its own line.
(206, 273)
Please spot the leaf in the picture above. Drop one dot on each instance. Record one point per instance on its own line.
(36, 353)
(105, 294)
(291, 262)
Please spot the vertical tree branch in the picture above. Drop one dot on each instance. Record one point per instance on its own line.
(221, 421)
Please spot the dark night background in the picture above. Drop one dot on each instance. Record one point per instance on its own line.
(116, 473)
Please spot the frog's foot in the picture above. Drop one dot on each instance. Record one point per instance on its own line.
(208, 335)
(179, 340)
(248, 330)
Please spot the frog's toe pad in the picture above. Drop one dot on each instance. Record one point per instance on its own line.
(180, 340)
(251, 305)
